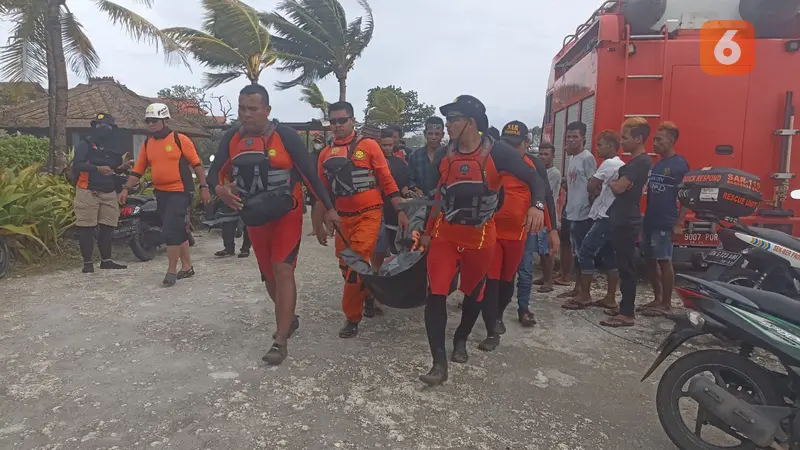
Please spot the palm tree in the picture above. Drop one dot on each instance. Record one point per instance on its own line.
(46, 37)
(387, 108)
(313, 96)
(232, 41)
(315, 39)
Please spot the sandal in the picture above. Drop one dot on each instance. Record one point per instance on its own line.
(575, 305)
(568, 294)
(611, 312)
(602, 304)
(559, 282)
(615, 322)
(276, 354)
(647, 306)
(538, 282)
(655, 312)
(545, 289)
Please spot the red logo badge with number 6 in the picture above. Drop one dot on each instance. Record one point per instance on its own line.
(727, 47)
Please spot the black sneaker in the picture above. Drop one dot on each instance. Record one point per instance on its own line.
(224, 253)
(276, 354)
(292, 329)
(111, 265)
(244, 253)
(500, 327)
(170, 279)
(88, 268)
(186, 273)
(349, 330)
(370, 308)
(490, 343)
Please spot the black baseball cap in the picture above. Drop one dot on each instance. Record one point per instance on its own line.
(105, 119)
(466, 105)
(515, 128)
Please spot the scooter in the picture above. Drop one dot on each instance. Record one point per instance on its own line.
(756, 257)
(750, 405)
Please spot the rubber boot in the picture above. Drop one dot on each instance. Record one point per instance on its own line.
(459, 351)
(438, 373)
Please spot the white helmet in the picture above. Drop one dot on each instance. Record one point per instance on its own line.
(157, 111)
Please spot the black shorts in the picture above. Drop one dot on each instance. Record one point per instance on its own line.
(563, 232)
(173, 207)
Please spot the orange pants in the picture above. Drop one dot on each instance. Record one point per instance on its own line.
(361, 232)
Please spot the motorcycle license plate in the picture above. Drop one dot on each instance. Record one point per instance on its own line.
(722, 258)
(698, 239)
(128, 229)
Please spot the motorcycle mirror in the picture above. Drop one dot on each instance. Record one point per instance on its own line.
(795, 194)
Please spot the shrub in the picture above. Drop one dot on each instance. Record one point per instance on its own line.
(23, 150)
(35, 211)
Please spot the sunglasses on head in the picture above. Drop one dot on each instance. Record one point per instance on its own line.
(340, 121)
(452, 118)
(151, 121)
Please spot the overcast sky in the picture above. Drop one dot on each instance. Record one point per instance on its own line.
(499, 51)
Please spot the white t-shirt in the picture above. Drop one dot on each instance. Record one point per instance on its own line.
(608, 171)
(581, 168)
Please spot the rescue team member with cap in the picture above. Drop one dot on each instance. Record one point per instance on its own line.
(461, 233)
(358, 176)
(511, 237)
(97, 160)
(258, 171)
(171, 157)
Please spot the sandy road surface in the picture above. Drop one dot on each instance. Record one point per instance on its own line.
(115, 361)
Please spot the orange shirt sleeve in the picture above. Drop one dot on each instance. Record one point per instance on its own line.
(380, 167)
(321, 170)
(189, 151)
(141, 162)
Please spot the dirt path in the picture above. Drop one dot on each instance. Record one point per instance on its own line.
(115, 361)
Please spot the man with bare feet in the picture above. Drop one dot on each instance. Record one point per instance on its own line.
(598, 240)
(626, 217)
(663, 219)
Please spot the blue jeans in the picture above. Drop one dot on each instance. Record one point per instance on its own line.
(597, 242)
(525, 270)
(657, 244)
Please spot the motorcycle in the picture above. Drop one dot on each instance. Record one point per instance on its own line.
(140, 225)
(5, 258)
(749, 405)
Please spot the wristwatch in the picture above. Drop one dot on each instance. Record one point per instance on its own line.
(539, 205)
(203, 186)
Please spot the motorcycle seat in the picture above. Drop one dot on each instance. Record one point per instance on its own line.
(769, 302)
(777, 237)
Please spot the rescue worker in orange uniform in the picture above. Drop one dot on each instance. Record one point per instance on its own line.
(355, 171)
(258, 171)
(171, 158)
(461, 232)
(511, 237)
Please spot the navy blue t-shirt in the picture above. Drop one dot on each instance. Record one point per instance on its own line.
(662, 193)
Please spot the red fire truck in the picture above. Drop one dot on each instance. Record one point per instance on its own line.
(642, 58)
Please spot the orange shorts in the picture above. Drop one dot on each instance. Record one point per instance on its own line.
(446, 258)
(507, 257)
(277, 242)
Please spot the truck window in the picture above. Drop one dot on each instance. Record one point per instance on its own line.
(559, 130)
(587, 117)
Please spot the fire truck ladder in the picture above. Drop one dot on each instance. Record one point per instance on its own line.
(629, 51)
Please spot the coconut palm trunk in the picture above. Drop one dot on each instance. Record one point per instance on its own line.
(57, 82)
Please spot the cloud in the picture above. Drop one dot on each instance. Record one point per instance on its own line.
(498, 51)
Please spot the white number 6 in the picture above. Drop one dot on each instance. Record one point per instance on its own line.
(727, 43)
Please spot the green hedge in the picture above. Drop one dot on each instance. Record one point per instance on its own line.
(23, 151)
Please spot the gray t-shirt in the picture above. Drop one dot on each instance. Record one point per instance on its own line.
(554, 178)
(581, 168)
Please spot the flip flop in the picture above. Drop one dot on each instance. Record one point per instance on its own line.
(545, 289)
(645, 307)
(616, 323)
(567, 294)
(561, 283)
(611, 312)
(575, 306)
(600, 304)
(653, 312)
(538, 282)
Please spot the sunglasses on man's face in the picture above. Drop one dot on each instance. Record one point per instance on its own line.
(340, 121)
(151, 121)
(453, 118)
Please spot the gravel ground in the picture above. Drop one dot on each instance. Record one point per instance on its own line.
(113, 360)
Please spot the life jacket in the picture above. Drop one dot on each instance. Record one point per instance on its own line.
(267, 193)
(343, 176)
(465, 193)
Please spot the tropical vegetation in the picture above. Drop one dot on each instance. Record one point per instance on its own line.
(23, 150)
(313, 37)
(391, 105)
(232, 42)
(46, 38)
(312, 95)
